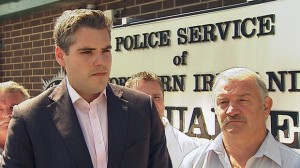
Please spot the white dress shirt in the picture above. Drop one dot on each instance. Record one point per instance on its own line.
(271, 154)
(178, 143)
(1, 157)
(92, 118)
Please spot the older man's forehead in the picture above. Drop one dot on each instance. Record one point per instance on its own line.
(2, 97)
(14, 97)
(235, 86)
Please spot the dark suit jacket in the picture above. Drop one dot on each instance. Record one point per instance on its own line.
(45, 133)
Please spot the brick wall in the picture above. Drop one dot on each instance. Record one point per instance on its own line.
(26, 44)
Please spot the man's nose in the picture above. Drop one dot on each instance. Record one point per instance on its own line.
(99, 59)
(232, 109)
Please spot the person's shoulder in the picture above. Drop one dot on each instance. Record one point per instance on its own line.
(296, 150)
(183, 138)
(288, 152)
(195, 156)
(128, 93)
(34, 104)
(116, 87)
(201, 141)
(289, 157)
(37, 99)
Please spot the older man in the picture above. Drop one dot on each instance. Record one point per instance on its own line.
(242, 106)
(11, 93)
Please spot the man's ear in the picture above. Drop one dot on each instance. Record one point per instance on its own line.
(268, 102)
(59, 56)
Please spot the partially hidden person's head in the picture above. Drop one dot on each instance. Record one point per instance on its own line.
(83, 47)
(150, 84)
(11, 93)
(241, 102)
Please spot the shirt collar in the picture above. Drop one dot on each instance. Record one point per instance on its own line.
(268, 148)
(74, 95)
(217, 145)
(165, 121)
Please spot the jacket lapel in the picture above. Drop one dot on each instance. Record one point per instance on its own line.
(117, 112)
(66, 122)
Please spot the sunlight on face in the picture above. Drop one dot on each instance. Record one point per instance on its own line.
(7, 102)
(240, 107)
(153, 89)
(89, 61)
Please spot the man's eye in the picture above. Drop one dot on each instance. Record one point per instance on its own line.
(222, 104)
(105, 51)
(156, 97)
(244, 101)
(86, 52)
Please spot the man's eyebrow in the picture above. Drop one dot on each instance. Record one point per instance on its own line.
(244, 95)
(107, 47)
(88, 48)
(222, 95)
(85, 48)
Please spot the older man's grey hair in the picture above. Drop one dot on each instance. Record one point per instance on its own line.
(240, 73)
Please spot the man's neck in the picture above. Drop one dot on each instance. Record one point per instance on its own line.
(241, 149)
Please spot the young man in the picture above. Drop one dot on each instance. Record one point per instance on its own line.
(242, 106)
(11, 93)
(84, 121)
(178, 143)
